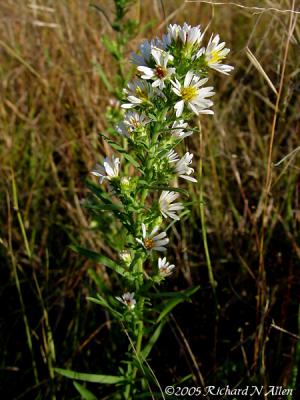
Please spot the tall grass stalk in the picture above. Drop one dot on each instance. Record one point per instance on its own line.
(202, 203)
(262, 300)
(15, 271)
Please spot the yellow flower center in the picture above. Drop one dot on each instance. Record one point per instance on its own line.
(141, 94)
(135, 123)
(215, 57)
(160, 72)
(149, 243)
(188, 93)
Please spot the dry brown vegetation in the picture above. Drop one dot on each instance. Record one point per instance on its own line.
(52, 107)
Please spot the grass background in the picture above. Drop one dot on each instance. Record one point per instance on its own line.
(52, 108)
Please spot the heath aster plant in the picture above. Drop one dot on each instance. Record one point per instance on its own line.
(140, 194)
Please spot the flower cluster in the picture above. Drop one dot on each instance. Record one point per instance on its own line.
(170, 87)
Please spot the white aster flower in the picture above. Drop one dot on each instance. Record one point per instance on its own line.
(122, 130)
(125, 183)
(166, 41)
(187, 34)
(125, 256)
(160, 72)
(145, 49)
(214, 54)
(135, 120)
(182, 167)
(173, 32)
(164, 267)
(153, 241)
(166, 207)
(140, 92)
(172, 156)
(132, 121)
(114, 103)
(191, 95)
(190, 35)
(109, 169)
(178, 129)
(128, 300)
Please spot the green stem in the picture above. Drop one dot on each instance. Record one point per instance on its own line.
(295, 369)
(16, 277)
(203, 226)
(139, 337)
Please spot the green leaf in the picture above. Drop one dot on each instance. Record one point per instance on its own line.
(100, 300)
(103, 77)
(171, 189)
(84, 392)
(111, 46)
(99, 258)
(98, 192)
(175, 301)
(96, 278)
(106, 379)
(113, 144)
(185, 294)
(101, 207)
(131, 160)
(146, 350)
(169, 307)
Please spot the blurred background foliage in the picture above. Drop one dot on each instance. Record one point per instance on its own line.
(63, 65)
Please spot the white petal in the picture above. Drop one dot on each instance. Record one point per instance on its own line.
(140, 241)
(159, 248)
(159, 236)
(188, 178)
(161, 242)
(154, 230)
(179, 108)
(188, 78)
(144, 230)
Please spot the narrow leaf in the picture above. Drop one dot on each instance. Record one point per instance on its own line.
(113, 144)
(171, 189)
(100, 300)
(101, 207)
(106, 379)
(169, 307)
(145, 352)
(99, 192)
(185, 294)
(131, 160)
(103, 77)
(84, 392)
(99, 258)
(174, 302)
(96, 278)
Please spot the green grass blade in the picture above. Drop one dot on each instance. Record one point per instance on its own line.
(101, 259)
(146, 351)
(84, 392)
(94, 378)
(174, 302)
(131, 160)
(98, 68)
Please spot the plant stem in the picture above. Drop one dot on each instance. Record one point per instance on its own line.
(139, 337)
(203, 223)
(261, 301)
(212, 281)
(140, 324)
(15, 272)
